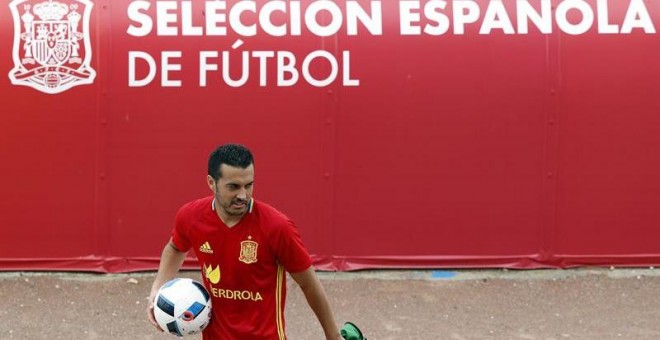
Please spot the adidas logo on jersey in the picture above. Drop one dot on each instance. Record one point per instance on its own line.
(206, 248)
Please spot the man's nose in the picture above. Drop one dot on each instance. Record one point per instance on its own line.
(242, 194)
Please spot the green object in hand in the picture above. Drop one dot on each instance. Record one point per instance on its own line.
(351, 332)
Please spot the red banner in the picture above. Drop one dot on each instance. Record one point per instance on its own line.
(397, 134)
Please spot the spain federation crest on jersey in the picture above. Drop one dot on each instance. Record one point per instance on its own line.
(248, 251)
(52, 50)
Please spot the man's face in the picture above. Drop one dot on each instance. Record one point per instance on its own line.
(233, 190)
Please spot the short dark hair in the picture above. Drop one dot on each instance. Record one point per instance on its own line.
(235, 155)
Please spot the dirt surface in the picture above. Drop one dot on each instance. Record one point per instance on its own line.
(547, 304)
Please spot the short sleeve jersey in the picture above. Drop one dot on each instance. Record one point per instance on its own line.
(243, 267)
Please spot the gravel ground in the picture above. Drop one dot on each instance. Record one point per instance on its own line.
(538, 304)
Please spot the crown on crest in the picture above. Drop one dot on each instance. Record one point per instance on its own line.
(27, 16)
(73, 16)
(51, 10)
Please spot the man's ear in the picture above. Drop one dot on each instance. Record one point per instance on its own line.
(211, 183)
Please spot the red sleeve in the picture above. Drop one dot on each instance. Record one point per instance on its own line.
(180, 231)
(289, 248)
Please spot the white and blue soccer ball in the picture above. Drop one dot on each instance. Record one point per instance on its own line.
(182, 306)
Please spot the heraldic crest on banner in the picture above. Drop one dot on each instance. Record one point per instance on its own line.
(52, 50)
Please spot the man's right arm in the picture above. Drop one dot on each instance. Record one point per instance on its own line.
(170, 261)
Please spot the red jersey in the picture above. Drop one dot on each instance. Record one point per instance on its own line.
(243, 267)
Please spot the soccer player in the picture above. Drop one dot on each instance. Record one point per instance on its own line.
(243, 247)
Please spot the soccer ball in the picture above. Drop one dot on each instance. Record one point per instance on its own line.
(182, 307)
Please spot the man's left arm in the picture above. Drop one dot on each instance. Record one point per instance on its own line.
(318, 301)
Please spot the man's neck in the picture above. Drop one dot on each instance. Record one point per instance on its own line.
(229, 220)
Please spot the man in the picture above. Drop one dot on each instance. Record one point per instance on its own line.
(243, 247)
